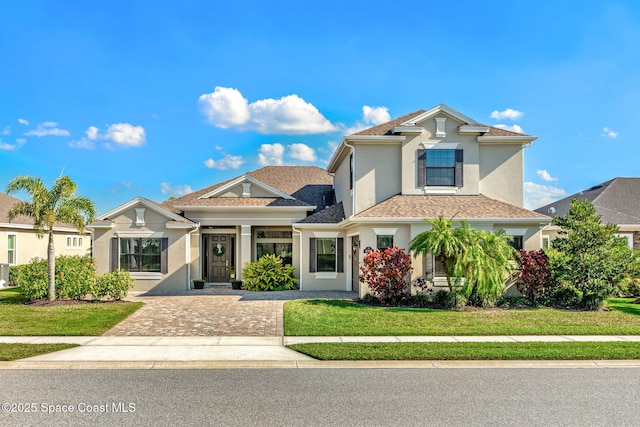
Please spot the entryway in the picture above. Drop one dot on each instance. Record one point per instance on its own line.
(218, 257)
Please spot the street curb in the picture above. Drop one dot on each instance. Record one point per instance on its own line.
(320, 364)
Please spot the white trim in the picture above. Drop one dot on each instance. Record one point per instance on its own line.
(134, 234)
(15, 248)
(78, 238)
(469, 129)
(138, 275)
(524, 139)
(181, 226)
(326, 234)
(385, 231)
(434, 145)
(441, 130)
(322, 275)
(144, 202)
(445, 109)
(140, 216)
(515, 231)
(243, 179)
(30, 227)
(408, 129)
(629, 237)
(440, 190)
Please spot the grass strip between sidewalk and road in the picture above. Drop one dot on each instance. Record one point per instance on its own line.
(9, 352)
(84, 319)
(333, 317)
(472, 351)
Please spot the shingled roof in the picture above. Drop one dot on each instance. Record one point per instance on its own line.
(7, 202)
(616, 200)
(463, 207)
(308, 185)
(385, 128)
(330, 215)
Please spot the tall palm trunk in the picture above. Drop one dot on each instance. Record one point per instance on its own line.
(51, 264)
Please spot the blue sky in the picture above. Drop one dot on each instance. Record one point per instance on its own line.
(155, 99)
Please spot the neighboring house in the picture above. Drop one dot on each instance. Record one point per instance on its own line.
(378, 187)
(617, 201)
(19, 244)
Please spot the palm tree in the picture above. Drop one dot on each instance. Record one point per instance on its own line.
(475, 262)
(48, 207)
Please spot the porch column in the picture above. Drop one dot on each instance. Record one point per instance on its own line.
(245, 249)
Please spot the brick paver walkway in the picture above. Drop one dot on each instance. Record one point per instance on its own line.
(213, 312)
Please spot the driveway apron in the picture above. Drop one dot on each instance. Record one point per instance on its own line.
(212, 312)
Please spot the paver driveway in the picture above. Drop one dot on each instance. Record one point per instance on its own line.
(213, 312)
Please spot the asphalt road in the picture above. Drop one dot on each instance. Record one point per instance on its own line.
(322, 397)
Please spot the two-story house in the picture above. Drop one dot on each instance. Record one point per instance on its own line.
(379, 186)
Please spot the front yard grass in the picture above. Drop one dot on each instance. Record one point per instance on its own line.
(472, 351)
(328, 317)
(90, 319)
(10, 352)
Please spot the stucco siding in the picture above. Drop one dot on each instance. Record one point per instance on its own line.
(501, 173)
(377, 176)
(28, 246)
(341, 184)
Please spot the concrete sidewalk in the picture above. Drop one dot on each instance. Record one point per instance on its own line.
(108, 352)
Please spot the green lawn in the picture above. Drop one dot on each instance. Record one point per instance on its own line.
(17, 319)
(328, 317)
(20, 351)
(472, 351)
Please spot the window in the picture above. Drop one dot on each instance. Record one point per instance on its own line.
(283, 250)
(440, 168)
(384, 241)
(11, 249)
(545, 242)
(517, 242)
(274, 234)
(326, 255)
(74, 242)
(140, 254)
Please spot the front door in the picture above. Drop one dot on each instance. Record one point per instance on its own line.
(355, 264)
(219, 251)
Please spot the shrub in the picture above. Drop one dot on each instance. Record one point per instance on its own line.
(33, 279)
(422, 299)
(268, 274)
(75, 276)
(534, 278)
(387, 274)
(455, 299)
(14, 272)
(440, 296)
(628, 287)
(114, 285)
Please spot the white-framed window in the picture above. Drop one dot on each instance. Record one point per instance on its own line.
(11, 249)
(326, 255)
(141, 254)
(384, 241)
(545, 242)
(628, 237)
(74, 242)
(441, 167)
(278, 242)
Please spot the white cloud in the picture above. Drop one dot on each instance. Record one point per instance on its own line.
(227, 108)
(6, 130)
(512, 128)
(10, 147)
(23, 122)
(507, 114)
(47, 128)
(271, 154)
(123, 134)
(545, 176)
(227, 162)
(83, 143)
(177, 190)
(537, 195)
(371, 116)
(608, 133)
(302, 152)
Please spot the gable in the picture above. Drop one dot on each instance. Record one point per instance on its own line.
(245, 186)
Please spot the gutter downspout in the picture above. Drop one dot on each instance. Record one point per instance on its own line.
(188, 253)
(353, 184)
(299, 233)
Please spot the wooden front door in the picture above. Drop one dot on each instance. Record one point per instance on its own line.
(219, 255)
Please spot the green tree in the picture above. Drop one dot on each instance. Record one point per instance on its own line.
(593, 260)
(48, 206)
(475, 262)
